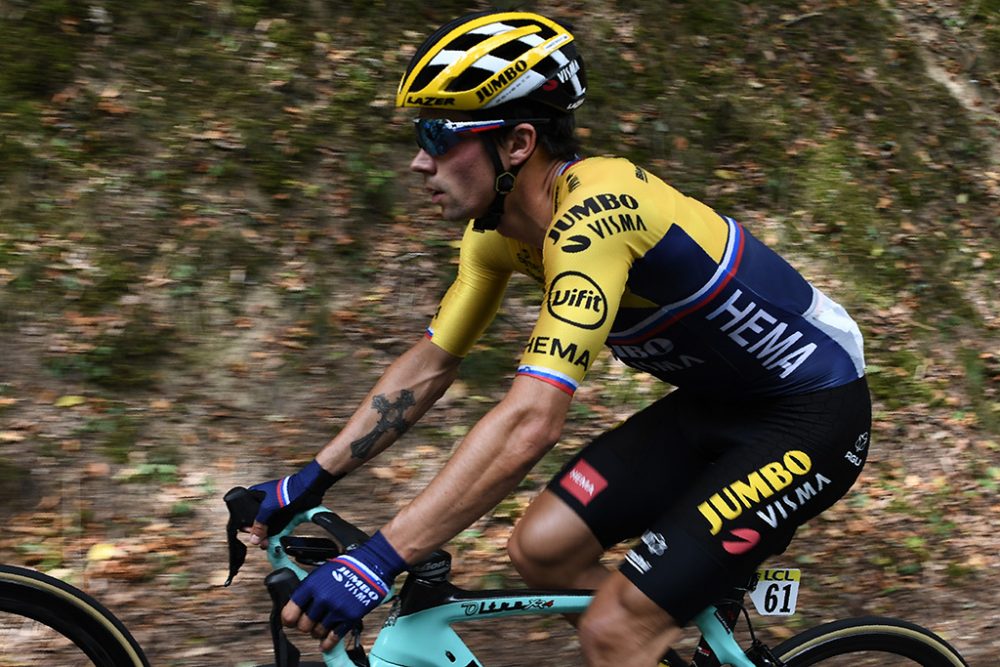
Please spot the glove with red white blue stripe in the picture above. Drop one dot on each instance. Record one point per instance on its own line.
(340, 592)
(281, 499)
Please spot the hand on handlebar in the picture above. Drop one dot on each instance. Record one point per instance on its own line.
(281, 499)
(335, 596)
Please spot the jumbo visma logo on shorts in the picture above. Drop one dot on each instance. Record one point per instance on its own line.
(576, 299)
(761, 490)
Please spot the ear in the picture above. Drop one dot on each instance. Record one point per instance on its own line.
(521, 143)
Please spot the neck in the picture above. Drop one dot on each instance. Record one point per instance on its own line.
(528, 210)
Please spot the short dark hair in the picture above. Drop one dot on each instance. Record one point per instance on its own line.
(558, 136)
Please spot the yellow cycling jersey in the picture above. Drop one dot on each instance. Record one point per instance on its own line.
(674, 288)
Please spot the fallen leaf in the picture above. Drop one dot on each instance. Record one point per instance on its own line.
(103, 551)
(70, 401)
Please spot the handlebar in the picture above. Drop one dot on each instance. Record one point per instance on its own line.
(243, 505)
(282, 547)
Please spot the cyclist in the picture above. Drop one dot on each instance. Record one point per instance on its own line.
(769, 421)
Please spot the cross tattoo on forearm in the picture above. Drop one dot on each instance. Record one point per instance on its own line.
(392, 417)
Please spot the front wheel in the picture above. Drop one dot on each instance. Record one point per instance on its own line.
(44, 621)
(871, 641)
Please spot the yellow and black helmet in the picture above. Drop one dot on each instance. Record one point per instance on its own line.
(488, 59)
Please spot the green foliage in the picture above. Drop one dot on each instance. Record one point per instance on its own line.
(984, 404)
(161, 473)
(280, 111)
(115, 432)
(491, 361)
(39, 43)
(15, 485)
(373, 180)
(121, 358)
(895, 378)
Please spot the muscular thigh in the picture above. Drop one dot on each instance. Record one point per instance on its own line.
(713, 488)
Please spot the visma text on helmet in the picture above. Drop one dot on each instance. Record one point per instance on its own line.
(568, 72)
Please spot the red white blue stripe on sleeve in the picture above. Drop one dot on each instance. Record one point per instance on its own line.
(282, 492)
(558, 380)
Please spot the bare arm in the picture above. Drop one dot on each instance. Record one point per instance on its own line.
(494, 457)
(406, 390)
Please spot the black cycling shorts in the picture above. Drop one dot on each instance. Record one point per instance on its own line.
(714, 487)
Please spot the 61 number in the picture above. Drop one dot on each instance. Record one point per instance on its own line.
(773, 599)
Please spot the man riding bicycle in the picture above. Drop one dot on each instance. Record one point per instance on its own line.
(769, 422)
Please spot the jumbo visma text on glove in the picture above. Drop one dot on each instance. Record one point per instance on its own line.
(282, 499)
(340, 592)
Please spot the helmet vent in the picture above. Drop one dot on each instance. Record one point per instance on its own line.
(548, 65)
(425, 76)
(469, 79)
(465, 42)
(510, 51)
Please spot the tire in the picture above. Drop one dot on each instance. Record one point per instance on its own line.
(871, 640)
(30, 600)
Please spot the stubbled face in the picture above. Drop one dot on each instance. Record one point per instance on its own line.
(461, 181)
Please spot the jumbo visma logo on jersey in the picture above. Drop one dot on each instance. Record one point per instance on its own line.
(576, 299)
(604, 215)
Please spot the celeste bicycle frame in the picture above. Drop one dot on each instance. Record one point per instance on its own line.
(418, 632)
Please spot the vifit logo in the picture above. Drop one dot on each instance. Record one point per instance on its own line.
(583, 482)
(576, 299)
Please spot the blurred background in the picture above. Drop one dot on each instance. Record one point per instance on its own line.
(210, 246)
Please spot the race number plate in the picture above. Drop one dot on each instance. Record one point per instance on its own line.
(776, 592)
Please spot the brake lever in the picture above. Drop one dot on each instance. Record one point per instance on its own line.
(243, 506)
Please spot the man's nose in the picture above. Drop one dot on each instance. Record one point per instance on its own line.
(422, 162)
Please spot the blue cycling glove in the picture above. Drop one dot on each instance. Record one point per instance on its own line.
(284, 498)
(340, 592)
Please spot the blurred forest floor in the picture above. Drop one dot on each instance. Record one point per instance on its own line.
(210, 247)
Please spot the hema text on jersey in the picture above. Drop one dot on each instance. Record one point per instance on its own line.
(770, 349)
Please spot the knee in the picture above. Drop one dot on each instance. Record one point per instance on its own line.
(528, 554)
(624, 627)
(545, 560)
(551, 547)
(609, 639)
(599, 634)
